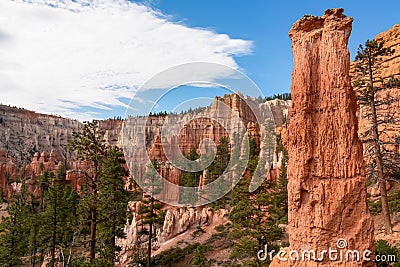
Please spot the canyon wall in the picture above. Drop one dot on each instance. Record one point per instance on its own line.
(326, 173)
(23, 132)
(388, 67)
(25, 135)
(391, 64)
(144, 139)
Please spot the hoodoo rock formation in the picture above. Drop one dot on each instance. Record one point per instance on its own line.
(233, 110)
(327, 191)
(24, 132)
(31, 139)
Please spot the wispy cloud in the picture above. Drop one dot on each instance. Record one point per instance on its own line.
(57, 56)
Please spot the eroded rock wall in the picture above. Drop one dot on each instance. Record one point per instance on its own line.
(233, 110)
(327, 191)
(25, 135)
(23, 132)
(387, 68)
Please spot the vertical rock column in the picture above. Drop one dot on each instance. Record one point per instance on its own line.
(327, 191)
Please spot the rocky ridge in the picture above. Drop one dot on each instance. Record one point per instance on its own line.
(24, 133)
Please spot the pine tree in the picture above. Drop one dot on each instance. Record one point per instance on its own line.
(215, 174)
(113, 202)
(255, 224)
(1, 195)
(190, 179)
(58, 221)
(256, 215)
(369, 89)
(220, 162)
(103, 196)
(34, 221)
(14, 231)
(150, 208)
(90, 147)
(199, 260)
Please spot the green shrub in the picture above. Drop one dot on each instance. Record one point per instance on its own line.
(384, 248)
(198, 232)
(375, 207)
(172, 256)
(199, 259)
(394, 201)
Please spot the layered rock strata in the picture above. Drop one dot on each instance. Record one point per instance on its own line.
(327, 191)
(25, 135)
(226, 115)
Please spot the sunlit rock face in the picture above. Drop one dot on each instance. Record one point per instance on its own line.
(327, 192)
(388, 67)
(24, 132)
(147, 138)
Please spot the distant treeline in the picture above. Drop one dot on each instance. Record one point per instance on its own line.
(165, 113)
(284, 96)
(118, 118)
(260, 99)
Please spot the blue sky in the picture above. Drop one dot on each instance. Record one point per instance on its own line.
(267, 23)
(85, 59)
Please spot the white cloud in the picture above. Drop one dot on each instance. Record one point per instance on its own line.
(60, 55)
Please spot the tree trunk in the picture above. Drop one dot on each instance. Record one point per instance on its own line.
(385, 207)
(382, 182)
(53, 240)
(378, 155)
(93, 225)
(150, 233)
(114, 231)
(33, 260)
(381, 176)
(34, 250)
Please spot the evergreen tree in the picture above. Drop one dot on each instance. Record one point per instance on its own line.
(1, 195)
(255, 223)
(43, 181)
(14, 231)
(103, 195)
(90, 146)
(34, 222)
(58, 221)
(190, 179)
(369, 89)
(215, 174)
(150, 209)
(199, 260)
(220, 162)
(113, 202)
(256, 216)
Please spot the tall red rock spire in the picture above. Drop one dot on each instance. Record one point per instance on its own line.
(327, 191)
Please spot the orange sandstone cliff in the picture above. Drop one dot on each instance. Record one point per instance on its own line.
(327, 191)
